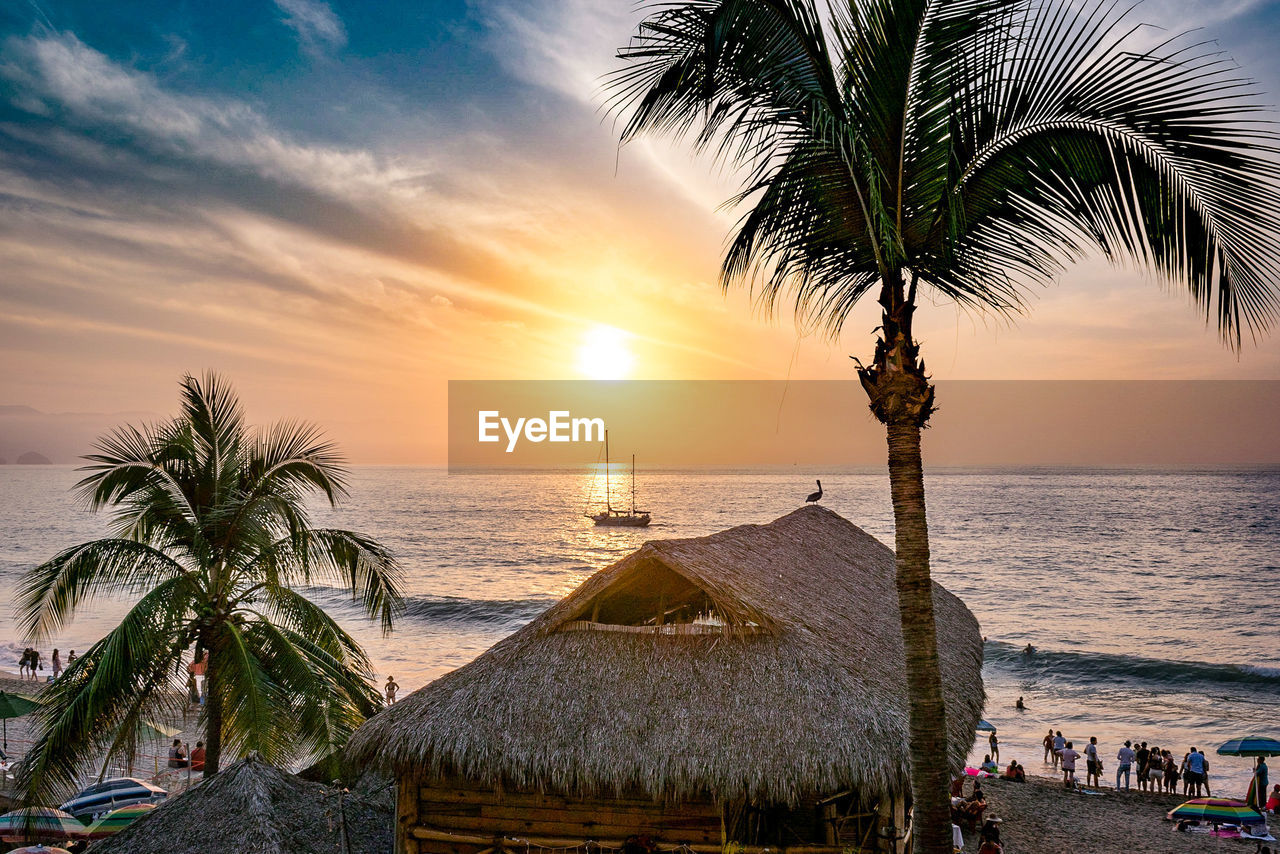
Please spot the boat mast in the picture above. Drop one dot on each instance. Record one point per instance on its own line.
(633, 484)
(607, 505)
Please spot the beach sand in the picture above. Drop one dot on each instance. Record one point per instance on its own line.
(1041, 817)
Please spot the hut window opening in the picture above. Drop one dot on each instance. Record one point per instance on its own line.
(654, 598)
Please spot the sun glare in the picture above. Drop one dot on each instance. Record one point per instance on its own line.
(603, 354)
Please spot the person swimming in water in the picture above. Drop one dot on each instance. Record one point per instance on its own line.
(1020, 706)
(1029, 650)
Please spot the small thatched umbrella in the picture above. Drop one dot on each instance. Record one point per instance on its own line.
(791, 683)
(254, 808)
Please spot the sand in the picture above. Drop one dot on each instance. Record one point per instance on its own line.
(1041, 817)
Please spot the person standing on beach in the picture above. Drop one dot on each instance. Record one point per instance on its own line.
(1092, 764)
(56, 663)
(1204, 774)
(1260, 778)
(1069, 757)
(1059, 744)
(1125, 758)
(34, 664)
(1195, 771)
(71, 658)
(1144, 756)
(1048, 745)
(23, 662)
(391, 689)
(995, 746)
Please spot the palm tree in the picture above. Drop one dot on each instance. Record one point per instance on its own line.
(212, 538)
(969, 148)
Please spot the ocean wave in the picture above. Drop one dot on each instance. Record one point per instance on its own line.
(456, 609)
(1100, 667)
(452, 611)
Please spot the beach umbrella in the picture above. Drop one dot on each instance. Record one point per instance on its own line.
(1216, 811)
(39, 849)
(986, 726)
(14, 706)
(40, 823)
(1253, 745)
(117, 820)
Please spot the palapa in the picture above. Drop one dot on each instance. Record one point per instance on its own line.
(254, 808)
(801, 691)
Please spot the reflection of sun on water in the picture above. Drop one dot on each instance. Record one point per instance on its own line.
(603, 354)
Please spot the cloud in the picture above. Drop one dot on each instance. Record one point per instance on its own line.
(315, 23)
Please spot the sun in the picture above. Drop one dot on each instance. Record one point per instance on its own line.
(603, 354)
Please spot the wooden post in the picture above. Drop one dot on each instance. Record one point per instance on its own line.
(892, 815)
(407, 799)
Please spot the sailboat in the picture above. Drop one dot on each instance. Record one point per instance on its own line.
(632, 518)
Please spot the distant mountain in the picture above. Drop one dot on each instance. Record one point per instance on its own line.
(31, 458)
(60, 437)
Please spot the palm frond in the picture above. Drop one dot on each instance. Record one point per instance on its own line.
(1158, 156)
(49, 594)
(355, 561)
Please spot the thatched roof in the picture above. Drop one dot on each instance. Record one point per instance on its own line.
(802, 693)
(254, 808)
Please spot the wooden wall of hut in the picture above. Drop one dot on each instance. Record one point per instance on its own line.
(456, 816)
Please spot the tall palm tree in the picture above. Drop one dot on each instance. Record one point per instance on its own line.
(970, 149)
(212, 537)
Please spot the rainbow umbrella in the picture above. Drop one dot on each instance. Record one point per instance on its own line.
(39, 849)
(1216, 811)
(117, 820)
(1254, 745)
(39, 823)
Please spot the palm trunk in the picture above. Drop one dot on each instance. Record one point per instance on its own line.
(929, 772)
(902, 399)
(212, 718)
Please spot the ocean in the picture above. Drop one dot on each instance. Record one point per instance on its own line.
(1150, 596)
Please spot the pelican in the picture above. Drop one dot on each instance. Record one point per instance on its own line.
(815, 496)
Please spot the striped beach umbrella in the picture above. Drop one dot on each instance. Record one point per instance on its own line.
(1254, 745)
(1216, 811)
(39, 849)
(39, 823)
(117, 820)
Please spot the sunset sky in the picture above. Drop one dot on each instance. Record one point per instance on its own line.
(344, 205)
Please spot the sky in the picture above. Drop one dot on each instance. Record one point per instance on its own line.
(342, 206)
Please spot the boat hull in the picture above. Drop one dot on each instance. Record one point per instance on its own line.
(623, 520)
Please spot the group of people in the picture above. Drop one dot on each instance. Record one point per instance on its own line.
(30, 664)
(970, 812)
(1156, 769)
(179, 759)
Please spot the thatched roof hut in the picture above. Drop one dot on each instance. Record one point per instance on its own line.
(790, 684)
(254, 808)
